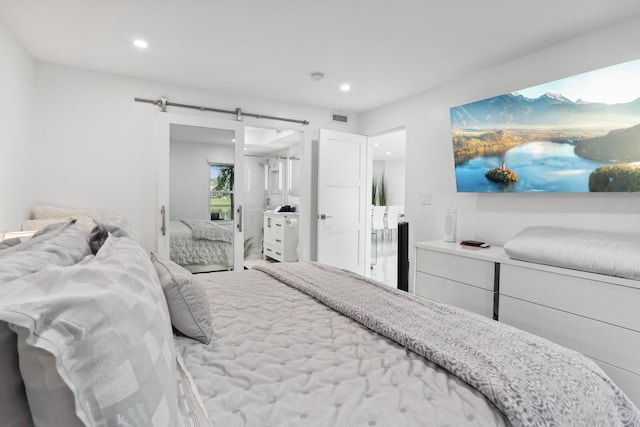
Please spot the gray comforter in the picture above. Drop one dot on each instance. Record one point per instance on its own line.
(279, 357)
(532, 381)
(207, 230)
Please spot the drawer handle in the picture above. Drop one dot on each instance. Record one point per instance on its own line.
(268, 250)
(278, 253)
(278, 225)
(278, 240)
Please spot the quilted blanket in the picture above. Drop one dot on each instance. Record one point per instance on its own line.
(207, 230)
(532, 381)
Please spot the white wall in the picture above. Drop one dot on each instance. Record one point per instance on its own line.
(97, 147)
(189, 177)
(497, 217)
(18, 173)
(394, 175)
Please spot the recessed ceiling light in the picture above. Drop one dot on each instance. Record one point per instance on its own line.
(345, 87)
(376, 144)
(142, 44)
(388, 153)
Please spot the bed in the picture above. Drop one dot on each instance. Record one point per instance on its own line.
(200, 245)
(130, 338)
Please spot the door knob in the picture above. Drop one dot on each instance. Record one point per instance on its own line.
(323, 216)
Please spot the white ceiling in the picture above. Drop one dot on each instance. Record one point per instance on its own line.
(389, 145)
(385, 49)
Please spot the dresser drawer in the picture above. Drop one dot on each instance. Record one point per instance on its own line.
(628, 382)
(273, 252)
(461, 269)
(277, 225)
(597, 300)
(472, 298)
(601, 341)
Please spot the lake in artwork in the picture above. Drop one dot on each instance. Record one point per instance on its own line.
(579, 134)
(541, 166)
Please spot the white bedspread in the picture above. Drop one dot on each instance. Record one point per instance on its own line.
(184, 250)
(280, 358)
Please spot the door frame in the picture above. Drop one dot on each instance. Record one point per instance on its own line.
(370, 143)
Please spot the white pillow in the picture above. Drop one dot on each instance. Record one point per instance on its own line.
(187, 301)
(603, 252)
(54, 212)
(105, 322)
(63, 246)
(121, 227)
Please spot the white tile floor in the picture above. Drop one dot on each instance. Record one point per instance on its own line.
(385, 269)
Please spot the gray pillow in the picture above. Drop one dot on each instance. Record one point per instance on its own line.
(121, 227)
(7, 243)
(187, 301)
(52, 227)
(50, 399)
(61, 247)
(101, 327)
(13, 400)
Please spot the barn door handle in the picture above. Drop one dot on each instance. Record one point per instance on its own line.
(163, 227)
(239, 210)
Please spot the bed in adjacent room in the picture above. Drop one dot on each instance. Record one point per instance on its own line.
(201, 245)
(131, 339)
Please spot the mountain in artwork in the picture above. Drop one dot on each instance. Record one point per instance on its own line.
(550, 109)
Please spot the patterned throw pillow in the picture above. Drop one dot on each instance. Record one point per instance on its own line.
(121, 227)
(101, 326)
(63, 246)
(187, 301)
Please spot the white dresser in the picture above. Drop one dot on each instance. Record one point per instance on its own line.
(281, 236)
(594, 314)
(457, 275)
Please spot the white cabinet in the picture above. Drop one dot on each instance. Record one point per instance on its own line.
(594, 314)
(281, 236)
(459, 276)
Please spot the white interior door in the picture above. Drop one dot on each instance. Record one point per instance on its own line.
(342, 190)
(165, 121)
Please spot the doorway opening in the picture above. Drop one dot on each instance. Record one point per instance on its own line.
(387, 202)
(273, 172)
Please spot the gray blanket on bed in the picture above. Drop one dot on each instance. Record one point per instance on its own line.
(207, 230)
(533, 381)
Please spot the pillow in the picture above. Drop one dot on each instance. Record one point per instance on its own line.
(63, 246)
(51, 227)
(51, 401)
(39, 224)
(102, 327)
(187, 301)
(13, 400)
(7, 243)
(122, 227)
(98, 236)
(53, 212)
(610, 253)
